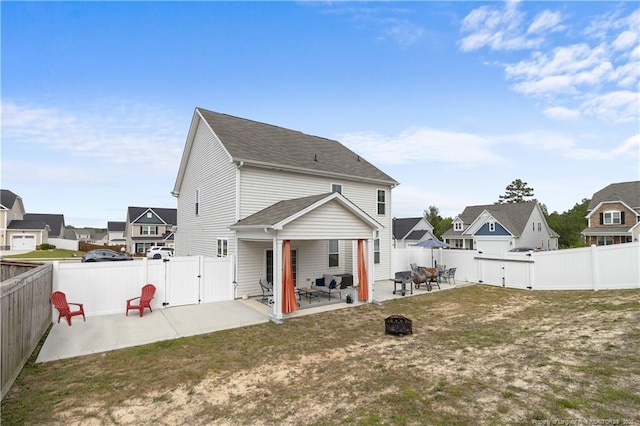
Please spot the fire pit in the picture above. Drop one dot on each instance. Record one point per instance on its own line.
(397, 324)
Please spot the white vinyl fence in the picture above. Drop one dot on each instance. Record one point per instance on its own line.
(104, 287)
(64, 244)
(590, 268)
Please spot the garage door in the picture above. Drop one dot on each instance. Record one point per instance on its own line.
(23, 242)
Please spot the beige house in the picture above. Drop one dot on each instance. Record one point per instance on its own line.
(148, 226)
(16, 232)
(614, 215)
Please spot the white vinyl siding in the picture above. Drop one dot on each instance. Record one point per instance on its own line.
(210, 174)
(261, 188)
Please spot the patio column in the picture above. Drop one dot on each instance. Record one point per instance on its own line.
(276, 311)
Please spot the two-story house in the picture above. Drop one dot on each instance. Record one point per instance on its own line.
(496, 228)
(115, 231)
(16, 232)
(409, 231)
(613, 215)
(149, 226)
(55, 222)
(245, 187)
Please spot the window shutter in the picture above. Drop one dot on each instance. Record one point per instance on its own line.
(601, 218)
(622, 218)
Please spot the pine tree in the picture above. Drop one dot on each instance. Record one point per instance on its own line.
(516, 192)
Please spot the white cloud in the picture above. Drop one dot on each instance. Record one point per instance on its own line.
(497, 29)
(614, 107)
(423, 145)
(545, 21)
(121, 133)
(562, 113)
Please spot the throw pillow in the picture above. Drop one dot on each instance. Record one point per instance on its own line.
(319, 282)
(332, 284)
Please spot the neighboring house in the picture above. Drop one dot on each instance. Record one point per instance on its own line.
(17, 233)
(501, 227)
(245, 187)
(55, 222)
(411, 230)
(613, 215)
(115, 232)
(149, 226)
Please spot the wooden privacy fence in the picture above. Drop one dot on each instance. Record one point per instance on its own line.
(25, 315)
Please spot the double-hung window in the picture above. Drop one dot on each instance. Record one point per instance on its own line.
(382, 195)
(223, 247)
(492, 226)
(457, 226)
(376, 250)
(149, 230)
(334, 253)
(611, 218)
(197, 202)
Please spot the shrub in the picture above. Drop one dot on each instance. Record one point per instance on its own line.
(46, 246)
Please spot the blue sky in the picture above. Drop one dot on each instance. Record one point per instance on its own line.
(454, 100)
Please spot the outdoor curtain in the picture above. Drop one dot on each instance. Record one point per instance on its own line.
(363, 287)
(289, 303)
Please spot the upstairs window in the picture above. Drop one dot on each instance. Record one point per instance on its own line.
(539, 226)
(223, 248)
(334, 254)
(457, 226)
(148, 230)
(336, 187)
(381, 201)
(612, 218)
(197, 197)
(492, 226)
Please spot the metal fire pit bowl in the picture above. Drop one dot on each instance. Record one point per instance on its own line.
(397, 324)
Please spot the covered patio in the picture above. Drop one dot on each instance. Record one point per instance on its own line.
(293, 242)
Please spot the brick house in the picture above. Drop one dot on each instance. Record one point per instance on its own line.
(613, 215)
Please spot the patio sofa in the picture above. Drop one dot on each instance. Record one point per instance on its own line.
(332, 284)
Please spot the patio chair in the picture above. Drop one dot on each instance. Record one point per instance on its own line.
(148, 291)
(267, 289)
(59, 300)
(451, 275)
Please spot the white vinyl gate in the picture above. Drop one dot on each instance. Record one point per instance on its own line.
(104, 287)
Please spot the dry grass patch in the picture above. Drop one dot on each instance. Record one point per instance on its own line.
(478, 355)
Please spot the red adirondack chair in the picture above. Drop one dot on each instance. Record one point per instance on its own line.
(59, 300)
(148, 291)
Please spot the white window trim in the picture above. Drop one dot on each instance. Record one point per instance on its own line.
(612, 216)
(378, 203)
(222, 247)
(329, 253)
(197, 202)
(336, 187)
(492, 227)
(457, 226)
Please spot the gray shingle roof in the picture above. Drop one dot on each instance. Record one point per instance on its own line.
(401, 226)
(260, 143)
(7, 198)
(628, 192)
(117, 226)
(27, 224)
(170, 216)
(513, 216)
(55, 222)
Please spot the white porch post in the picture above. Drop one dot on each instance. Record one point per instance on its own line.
(277, 279)
(370, 271)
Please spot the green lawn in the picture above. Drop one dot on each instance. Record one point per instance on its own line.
(47, 254)
(478, 355)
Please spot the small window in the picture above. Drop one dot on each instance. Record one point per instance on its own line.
(376, 250)
(223, 248)
(457, 226)
(197, 202)
(492, 226)
(533, 226)
(539, 227)
(336, 187)
(381, 201)
(149, 215)
(334, 255)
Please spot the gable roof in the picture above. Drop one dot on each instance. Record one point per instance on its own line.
(513, 216)
(7, 198)
(402, 226)
(627, 192)
(55, 222)
(282, 212)
(265, 145)
(169, 216)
